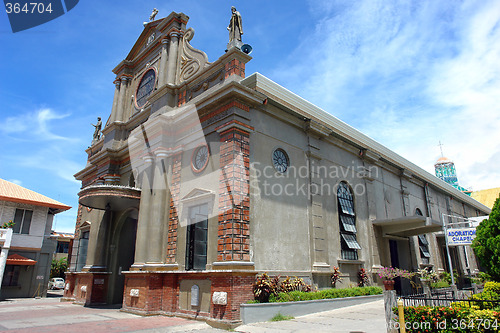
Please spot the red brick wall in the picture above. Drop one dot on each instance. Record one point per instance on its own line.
(95, 294)
(159, 293)
(234, 198)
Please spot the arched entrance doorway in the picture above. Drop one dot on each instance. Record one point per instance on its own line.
(122, 254)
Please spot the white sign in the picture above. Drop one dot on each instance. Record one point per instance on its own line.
(219, 298)
(39, 277)
(463, 236)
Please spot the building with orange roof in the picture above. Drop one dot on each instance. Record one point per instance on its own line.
(27, 265)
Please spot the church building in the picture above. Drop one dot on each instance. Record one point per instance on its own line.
(204, 176)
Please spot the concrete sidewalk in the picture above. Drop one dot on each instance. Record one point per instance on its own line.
(51, 315)
(368, 317)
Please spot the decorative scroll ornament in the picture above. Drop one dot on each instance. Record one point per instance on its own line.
(192, 61)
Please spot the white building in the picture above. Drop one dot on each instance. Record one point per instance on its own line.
(30, 255)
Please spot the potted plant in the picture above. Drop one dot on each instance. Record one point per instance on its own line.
(6, 225)
(427, 276)
(388, 274)
(335, 276)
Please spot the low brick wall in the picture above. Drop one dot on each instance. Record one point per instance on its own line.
(252, 313)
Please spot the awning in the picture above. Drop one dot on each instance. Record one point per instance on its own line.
(408, 226)
(16, 259)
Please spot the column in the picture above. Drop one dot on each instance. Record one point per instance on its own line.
(121, 99)
(158, 210)
(172, 57)
(115, 100)
(162, 72)
(97, 250)
(141, 243)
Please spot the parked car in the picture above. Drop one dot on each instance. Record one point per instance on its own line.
(56, 283)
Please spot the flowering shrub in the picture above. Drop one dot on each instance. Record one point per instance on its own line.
(335, 276)
(266, 288)
(390, 273)
(363, 278)
(450, 319)
(297, 284)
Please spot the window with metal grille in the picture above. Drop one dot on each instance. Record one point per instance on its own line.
(347, 220)
(22, 221)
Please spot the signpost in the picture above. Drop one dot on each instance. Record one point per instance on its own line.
(462, 236)
(459, 233)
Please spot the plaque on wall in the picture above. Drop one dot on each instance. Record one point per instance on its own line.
(195, 295)
(145, 88)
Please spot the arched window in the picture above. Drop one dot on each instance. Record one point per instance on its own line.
(347, 220)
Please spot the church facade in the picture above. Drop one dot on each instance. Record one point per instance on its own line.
(204, 177)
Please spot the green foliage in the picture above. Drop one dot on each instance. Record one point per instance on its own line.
(440, 284)
(58, 267)
(295, 296)
(280, 317)
(492, 287)
(483, 277)
(486, 245)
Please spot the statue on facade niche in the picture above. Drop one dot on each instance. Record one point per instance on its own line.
(153, 14)
(97, 131)
(235, 29)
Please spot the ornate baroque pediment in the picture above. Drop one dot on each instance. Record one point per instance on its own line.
(191, 60)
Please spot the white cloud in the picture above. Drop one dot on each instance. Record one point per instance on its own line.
(34, 125)
(409, 74)
(15, 181)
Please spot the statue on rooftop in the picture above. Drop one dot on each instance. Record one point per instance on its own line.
(235, 28)
(97, 131)
(153, 14)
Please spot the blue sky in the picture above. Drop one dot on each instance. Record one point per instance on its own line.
(407, 73)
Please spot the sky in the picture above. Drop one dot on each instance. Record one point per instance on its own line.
(409, 74)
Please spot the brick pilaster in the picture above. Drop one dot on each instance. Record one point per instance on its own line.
(173, 221)
(236, 67)
(234, 198)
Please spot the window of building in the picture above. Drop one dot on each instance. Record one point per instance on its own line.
(347, 220)
(11, 275)
(423, 244)
(62, 247)
(83, 245)
(281, 162)
(22, 221)
(196, 238)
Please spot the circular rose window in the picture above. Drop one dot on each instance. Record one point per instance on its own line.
(200, 158)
